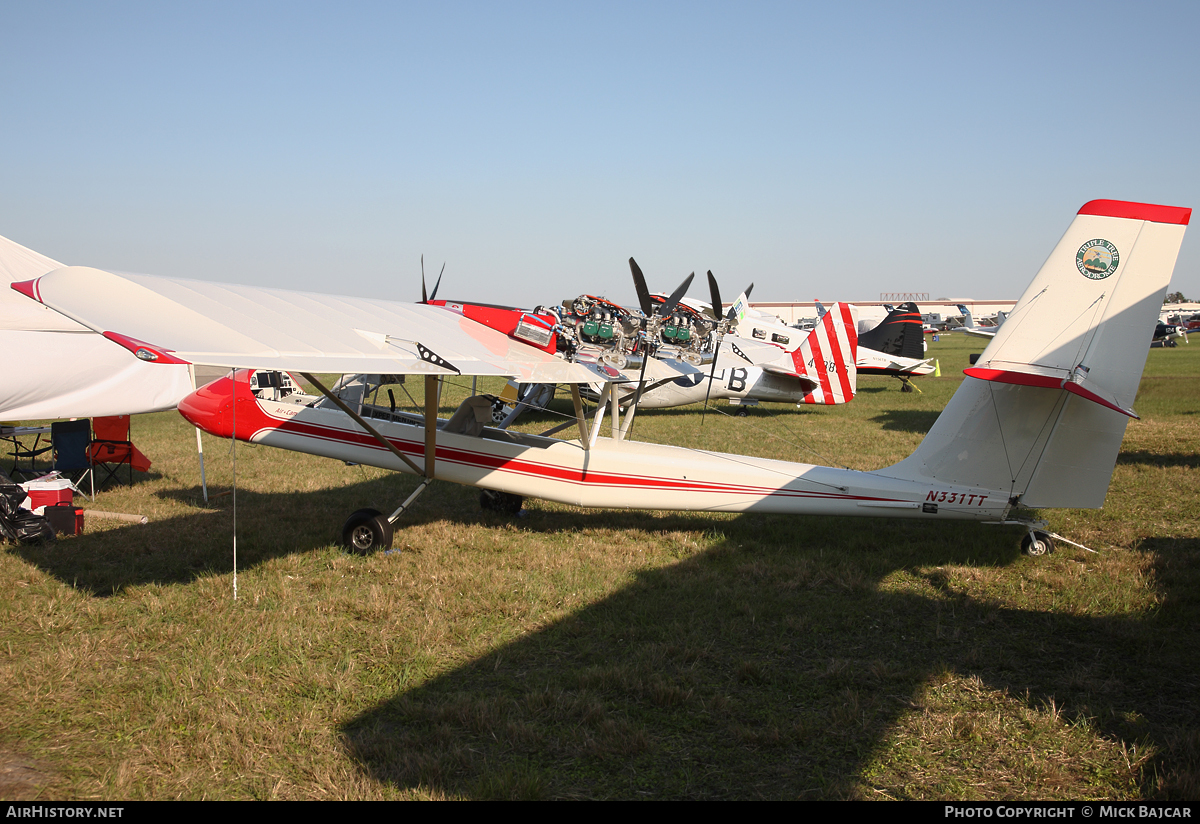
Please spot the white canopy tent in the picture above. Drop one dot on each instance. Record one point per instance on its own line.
(53, 367)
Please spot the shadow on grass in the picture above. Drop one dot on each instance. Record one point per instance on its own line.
(177, 550)
(778, 665)
(1189, 460)
(906, 420)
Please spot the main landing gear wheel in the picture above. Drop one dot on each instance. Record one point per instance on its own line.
(905, 386)
(742, 412)
(367, 531)
(1037, 544)
(505, 502)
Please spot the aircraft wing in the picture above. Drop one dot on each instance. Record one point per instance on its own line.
(979, 332)
(177, 320)
(738, 351)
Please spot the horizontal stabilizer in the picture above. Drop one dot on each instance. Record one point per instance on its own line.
(1025, 375)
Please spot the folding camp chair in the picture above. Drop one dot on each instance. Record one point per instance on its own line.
(110, 448)
(70, 440)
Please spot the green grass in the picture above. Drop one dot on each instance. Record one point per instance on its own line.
(599, 654)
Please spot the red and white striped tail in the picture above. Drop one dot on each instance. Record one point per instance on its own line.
(828, 354)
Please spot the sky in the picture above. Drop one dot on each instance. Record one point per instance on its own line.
(832, 151)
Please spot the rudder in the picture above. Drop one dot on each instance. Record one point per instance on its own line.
(827, 355)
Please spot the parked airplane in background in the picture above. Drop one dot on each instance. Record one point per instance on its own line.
(823, 372)
(816, 367)
(969, 326)
(1166, 335)
(1037, 424)
(895, 348)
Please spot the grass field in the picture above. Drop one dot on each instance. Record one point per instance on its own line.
(613, 654)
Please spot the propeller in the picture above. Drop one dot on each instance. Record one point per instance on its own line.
(722, 326)
(424, 297)
(651, 317)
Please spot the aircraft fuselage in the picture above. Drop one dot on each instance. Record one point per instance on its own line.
(611, 473)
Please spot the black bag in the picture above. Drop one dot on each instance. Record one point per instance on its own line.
(21, 525)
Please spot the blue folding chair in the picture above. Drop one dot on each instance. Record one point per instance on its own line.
(71, 439)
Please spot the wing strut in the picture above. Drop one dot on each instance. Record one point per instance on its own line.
(580, 416)
(433, 396)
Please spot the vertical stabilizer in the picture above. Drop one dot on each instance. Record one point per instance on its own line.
(1042, 414)
(901, 333)
(828, 354)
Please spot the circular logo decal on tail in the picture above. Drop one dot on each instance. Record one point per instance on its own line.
(1097, 259)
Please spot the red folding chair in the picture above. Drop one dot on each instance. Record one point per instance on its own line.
(111, 449)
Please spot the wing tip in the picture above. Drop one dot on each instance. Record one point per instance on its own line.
(28, 288)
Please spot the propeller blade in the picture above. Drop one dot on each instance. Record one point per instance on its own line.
(730, 316)
(714, 295)
(439, 283)
(639, 284)
(732, 313)
(673, 301)
(424, 297)
(637, 396)
(711, 374)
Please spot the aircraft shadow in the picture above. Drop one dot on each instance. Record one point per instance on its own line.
(763, 669)
(273, 525)
(270, 525)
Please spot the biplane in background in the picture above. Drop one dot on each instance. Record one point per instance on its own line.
(1036, 424)
(686, 337)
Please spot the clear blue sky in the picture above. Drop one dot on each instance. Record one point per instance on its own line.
(534, 147)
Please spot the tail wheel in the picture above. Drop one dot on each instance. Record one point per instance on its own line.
(366, 531)
(505, 502)
(1037, 544)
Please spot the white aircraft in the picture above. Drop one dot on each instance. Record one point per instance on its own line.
(1037, 424)
(822, 371)
(980, 331)
(694, 359)
(893, 348)
(896, 347)
(57, 368)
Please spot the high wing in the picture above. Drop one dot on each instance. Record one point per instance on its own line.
(177, 320)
